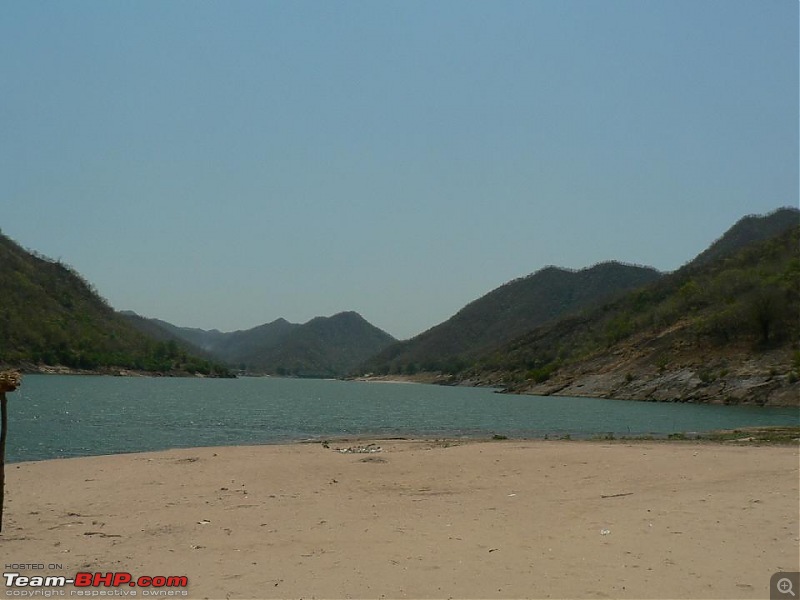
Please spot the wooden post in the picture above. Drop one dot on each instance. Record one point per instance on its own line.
(3, 433)
(9, 381)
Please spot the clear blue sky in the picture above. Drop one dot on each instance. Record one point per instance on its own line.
(223, 164)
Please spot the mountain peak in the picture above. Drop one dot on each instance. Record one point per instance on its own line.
(322, 347)
(748, 230)
(510, 311)
(348, 315)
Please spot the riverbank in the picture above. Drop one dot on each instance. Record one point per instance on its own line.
(735, 376)
(35, 369)
(419, 519)
(651, 370)
(693, 384)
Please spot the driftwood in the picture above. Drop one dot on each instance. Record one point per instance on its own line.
(9, 381)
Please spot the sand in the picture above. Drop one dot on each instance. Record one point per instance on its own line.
(513, 519)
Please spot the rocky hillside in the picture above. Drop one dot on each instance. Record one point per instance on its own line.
(724, 330)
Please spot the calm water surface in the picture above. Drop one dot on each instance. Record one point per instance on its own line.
(62, 416)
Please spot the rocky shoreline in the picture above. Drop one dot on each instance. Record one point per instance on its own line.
(733, 378)
(684, 385)
(753, 382)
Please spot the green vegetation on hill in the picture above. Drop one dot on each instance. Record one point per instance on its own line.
(156, 330)
(245, 347)
(323, 347)
(735, 304)
(748, 230)
(505, 313)
(50, 316)
(747, 298)
(235, 348)
(737, 299)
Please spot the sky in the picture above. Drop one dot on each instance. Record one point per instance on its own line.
(221, 164)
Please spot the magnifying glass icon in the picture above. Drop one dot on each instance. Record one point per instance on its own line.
(784, 586)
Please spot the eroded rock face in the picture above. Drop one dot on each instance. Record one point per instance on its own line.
(683, 385)
(732, 377)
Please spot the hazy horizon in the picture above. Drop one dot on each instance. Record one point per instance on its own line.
(224, 164)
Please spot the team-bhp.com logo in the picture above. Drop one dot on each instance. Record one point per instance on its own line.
(90, 584)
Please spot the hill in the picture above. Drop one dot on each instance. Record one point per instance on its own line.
(235, 348)
(721, 329)
(51, 317)
(322, 347)
(160, 331)
(507, 312)
(748, 230)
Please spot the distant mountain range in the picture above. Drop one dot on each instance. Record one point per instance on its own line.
(722, 328)
(51, 319)
(323, 347)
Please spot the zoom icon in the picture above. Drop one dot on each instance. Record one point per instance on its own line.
(784, 586)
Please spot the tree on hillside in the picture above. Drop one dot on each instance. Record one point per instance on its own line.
(767, 308)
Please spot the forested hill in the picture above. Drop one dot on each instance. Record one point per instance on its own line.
(235, 348)
(723, 330)
(748, 230)
(507, 312)
(50, 316)
(322, 347)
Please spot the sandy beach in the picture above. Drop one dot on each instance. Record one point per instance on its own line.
(418, 519)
